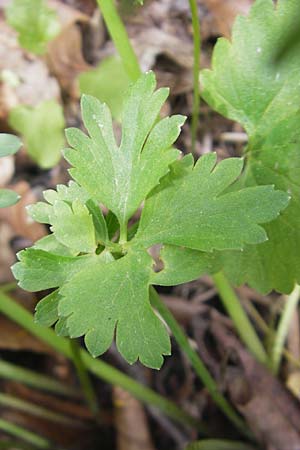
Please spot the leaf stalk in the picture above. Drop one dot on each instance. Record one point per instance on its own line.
(84, 378)
(120, 37)
(196, 70)
(98, 367)
(24, 434)
(239, 317)
(197, 363)
(291, 303)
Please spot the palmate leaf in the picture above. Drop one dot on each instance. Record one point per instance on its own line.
(102, 286)
(121, 177)
(245, 85)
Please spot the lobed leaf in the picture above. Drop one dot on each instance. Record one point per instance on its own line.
(121, 177)
(73, 226)
(39, 270)
(41, 211)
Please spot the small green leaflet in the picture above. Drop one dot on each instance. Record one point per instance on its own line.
(8, 198)
(46, 313)
(50, 244)
(102, 286)
(121, 177)
(247, 86)
(39, 270)
(181, 265)
(210, 219)
(35, 22)
(73, 216)
(9, 145)
(42, 130)
(73, 226)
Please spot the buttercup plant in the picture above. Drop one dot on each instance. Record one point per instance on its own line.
(102, 276)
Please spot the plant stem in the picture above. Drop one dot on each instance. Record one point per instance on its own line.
(291, 302)
(120, 38)
(239, 317)
(8, 286)
(196, 70)
(15, 373)
(84, 378)
(270, 333)
(101, 369)
(32, 409)
(196, 362)
(23, 434)
(8, 445)
(123, 233)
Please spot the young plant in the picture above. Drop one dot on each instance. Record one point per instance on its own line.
(36, 23)
(42, 131)
(9, 145)
(102, 278)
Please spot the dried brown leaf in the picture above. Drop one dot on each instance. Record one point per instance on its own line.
(131, 422)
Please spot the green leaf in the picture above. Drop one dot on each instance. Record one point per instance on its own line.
(8, 198)
(63, 198)
(41, 211)
(99, 221)
(39, 270)
(73, 226)
(61, 328)
(108, 83)
(182, 265)
(46, 311)
(120, 178)
(46, 314)
(35, 22)
(116, 297)
(218, 444)
(191, 209)
(291, 39)
(9, 144)
(42, 131)
(245, 85)
(50, 244)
